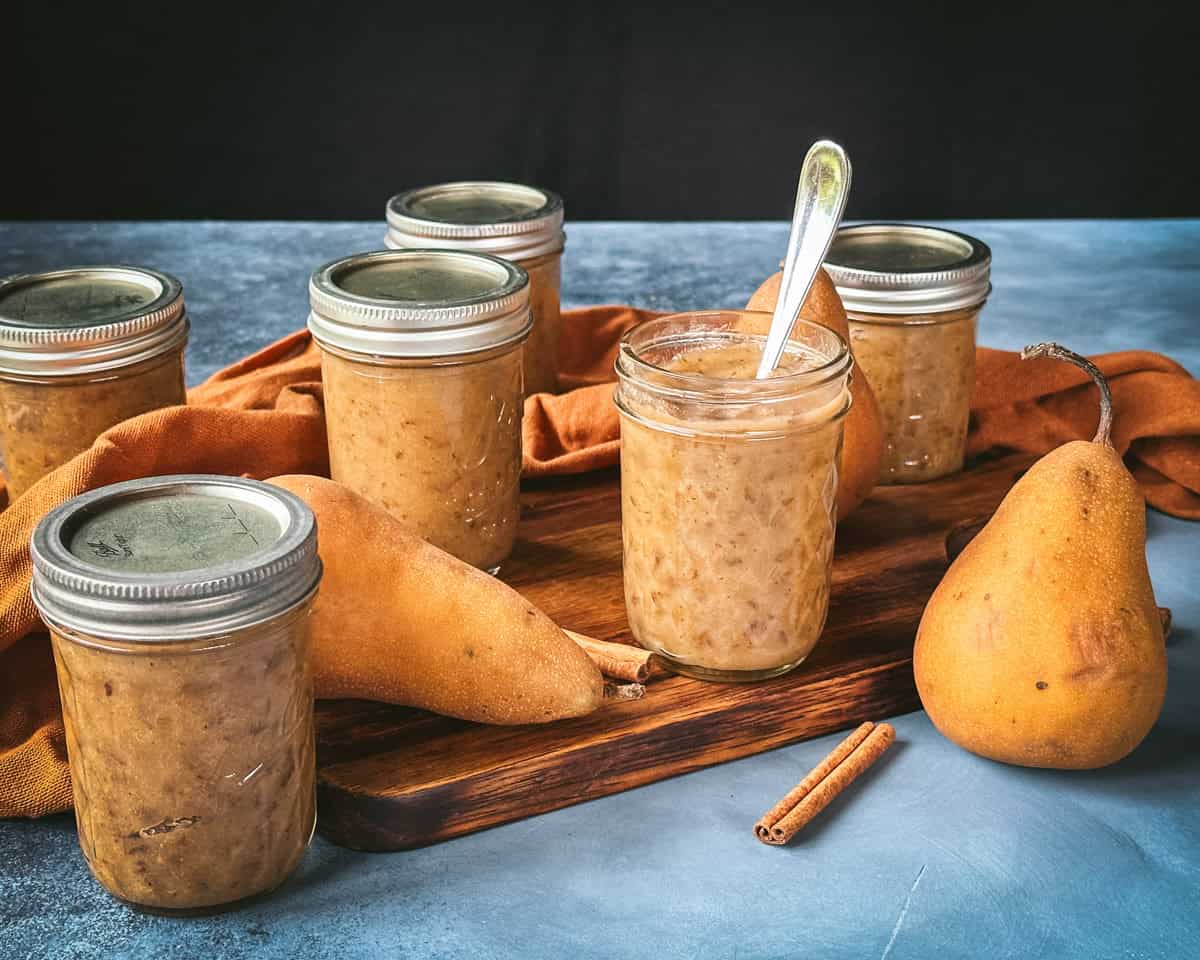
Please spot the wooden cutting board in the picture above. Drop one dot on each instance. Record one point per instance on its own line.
(392, 778)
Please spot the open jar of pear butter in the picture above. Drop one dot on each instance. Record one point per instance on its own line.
(178, 610)
(82, 349)
(913, 296)
(728, 490)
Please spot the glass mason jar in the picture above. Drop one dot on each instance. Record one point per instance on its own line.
(82, 349)
(522, 224)
(728, 489)
(421, 361)
(912, 296)
(178, 609)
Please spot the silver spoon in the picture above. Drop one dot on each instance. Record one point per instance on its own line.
(820, 203)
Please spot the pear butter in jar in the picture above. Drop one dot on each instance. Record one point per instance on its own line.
(729, 490)
(82, 349)
(912, 296)
(178, 610)
(421, 362)
(519, 223)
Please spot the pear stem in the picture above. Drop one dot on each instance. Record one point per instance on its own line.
(1056, 352)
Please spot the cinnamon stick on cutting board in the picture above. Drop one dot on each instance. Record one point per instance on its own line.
(620, 661)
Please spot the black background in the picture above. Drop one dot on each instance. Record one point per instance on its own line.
(302, 110)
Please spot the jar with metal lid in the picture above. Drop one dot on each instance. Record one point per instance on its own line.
(421, 362)
(728, 490)
(518, 223)
(178, 609)
(82, 349)
(912, 296)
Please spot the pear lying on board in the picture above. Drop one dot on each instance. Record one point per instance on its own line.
(400, 621)
(1042, 645)
(862, 441)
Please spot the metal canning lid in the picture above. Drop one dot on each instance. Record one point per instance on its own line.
(905, 269)
(504, 219)
(172, 558)
(419, 303)
(88, 319)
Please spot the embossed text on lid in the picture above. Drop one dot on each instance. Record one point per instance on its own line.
(75, 301)
(172, 532)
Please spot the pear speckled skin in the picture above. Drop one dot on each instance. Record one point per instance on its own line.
(862, 439)
(400, 621)
(1042, 646)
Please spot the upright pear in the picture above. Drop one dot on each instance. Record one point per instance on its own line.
(862, 440)
(1042, 645)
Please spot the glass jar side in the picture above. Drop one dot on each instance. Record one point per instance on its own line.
(922, 369)
(540, 360)
(435, 443)
(47, 420)
(192, 761)
(728, 495)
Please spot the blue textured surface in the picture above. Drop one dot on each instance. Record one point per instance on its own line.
(941, 853)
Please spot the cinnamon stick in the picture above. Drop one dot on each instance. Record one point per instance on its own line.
(621, 661)
(828, 778)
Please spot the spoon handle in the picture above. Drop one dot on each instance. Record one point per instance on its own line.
(820, 203)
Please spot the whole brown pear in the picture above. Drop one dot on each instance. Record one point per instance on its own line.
(862, 443)
(400, 621)
(1042, 645)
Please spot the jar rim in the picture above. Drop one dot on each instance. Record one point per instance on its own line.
(906, 269)
(174, 601)
(512, 220)
(419, 303)
(630, 365)
(106, 334)
(428, 359)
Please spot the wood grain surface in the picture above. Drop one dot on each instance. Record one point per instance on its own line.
(393, 778)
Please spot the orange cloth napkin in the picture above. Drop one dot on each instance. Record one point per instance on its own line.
(1035, 405)
(263, 416)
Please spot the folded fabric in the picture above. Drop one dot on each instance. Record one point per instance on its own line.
(263, 416)
(290, 438)
(1036, 405)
